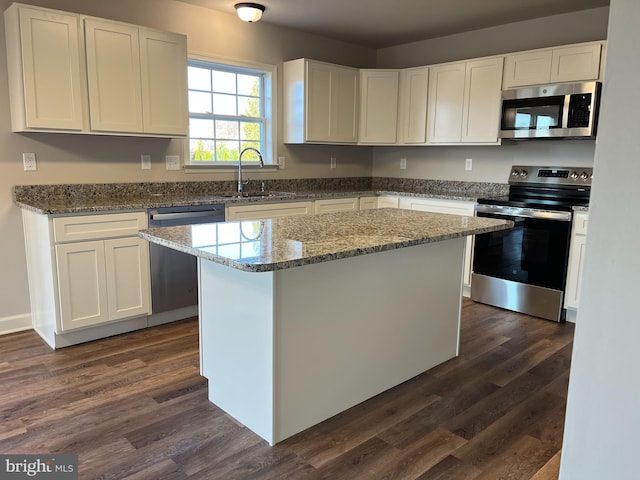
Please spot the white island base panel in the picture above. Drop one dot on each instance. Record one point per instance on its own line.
(287, 349)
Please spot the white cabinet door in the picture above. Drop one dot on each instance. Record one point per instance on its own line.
(127, 274)
(43, 56)
(329, 103)
(482, 97)
(163, 61)
(258, 211)
(336, 205)
(113, 73)
(576, 260)
(571, 64)
(527, 68)
(412, 107)
(446, 101)
(378, 106)
(82, 284)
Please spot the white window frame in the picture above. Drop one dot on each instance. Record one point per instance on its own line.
(269, 155)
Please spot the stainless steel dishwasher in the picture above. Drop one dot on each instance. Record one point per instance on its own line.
(174, 275)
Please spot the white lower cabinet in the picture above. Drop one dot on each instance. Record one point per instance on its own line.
(87, 275)
(336, 205)
(258, 210)
(576, 262)
(452, 207)
(368, 203)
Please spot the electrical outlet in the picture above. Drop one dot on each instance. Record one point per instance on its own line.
(281, 163)
(173, 162)
(145, 161)
(333, 162)
(403, 164)
(468, 164)
(29, 162)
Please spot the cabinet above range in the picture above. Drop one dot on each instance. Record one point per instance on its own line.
(72, 73)
(456, 103)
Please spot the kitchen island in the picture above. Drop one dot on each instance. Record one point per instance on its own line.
(304, 317)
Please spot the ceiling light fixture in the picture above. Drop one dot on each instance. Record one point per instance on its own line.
(249, 12)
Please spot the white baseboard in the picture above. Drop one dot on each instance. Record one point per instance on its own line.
(15, 323)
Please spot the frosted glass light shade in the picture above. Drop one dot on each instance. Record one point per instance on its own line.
(249, 12)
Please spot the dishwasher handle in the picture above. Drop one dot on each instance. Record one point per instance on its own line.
(184, 215)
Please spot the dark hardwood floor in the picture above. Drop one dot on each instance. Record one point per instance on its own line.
(134, 406)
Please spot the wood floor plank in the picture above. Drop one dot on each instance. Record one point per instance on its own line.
(134, 406)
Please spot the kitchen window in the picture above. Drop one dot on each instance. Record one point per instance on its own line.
(231, 107)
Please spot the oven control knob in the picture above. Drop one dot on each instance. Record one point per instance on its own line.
(515, 173)
(584, 175)
(524, 173)
(574, 175)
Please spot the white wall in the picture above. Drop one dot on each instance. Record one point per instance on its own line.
(93, 159)
(603, 414)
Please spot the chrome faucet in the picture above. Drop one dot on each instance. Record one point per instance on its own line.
(240, 183)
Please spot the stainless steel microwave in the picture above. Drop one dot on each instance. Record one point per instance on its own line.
(564, 110)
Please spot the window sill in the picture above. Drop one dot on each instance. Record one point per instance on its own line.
(217, 168)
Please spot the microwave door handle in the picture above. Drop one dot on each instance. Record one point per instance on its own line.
(565, 111)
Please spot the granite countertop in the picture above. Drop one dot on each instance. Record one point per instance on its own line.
(287, 242)
(90, 198)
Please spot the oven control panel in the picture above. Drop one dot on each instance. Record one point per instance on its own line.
(551, 175)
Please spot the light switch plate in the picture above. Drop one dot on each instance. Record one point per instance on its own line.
(173, 162)
(145, 161)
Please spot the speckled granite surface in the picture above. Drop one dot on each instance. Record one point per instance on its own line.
(87, 198)
(275, 244)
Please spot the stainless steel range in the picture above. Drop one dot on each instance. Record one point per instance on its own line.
(525, 269)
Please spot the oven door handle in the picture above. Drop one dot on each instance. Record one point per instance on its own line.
(500, 210)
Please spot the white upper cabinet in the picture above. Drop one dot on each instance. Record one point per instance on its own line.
(378, 106)
(163, 73)
(554, 65)
(482, 94)
(113, 73)
(321, 102)
(464, 102)
(412, 107)
(137, 79)
(446, 101)
(45, 82)
(78, 74)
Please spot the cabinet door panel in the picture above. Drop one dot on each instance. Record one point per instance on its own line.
(575, 63)
(529, 68)
(345, 105)
(163, 60)
(255, 212)
(51, 70)
(113, 71)
(446, 100)
(412, 108)
(82, 284)
(128, 285)
(378, 106)
(336, 205)
(318, 102)
(483, 89)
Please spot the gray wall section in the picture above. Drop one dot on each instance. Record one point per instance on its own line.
(583, 26)
(602, 420)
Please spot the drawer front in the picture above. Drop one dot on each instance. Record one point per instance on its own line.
(95, 227)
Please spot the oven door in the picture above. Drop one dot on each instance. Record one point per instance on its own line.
(535, 251)
(525, 268)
